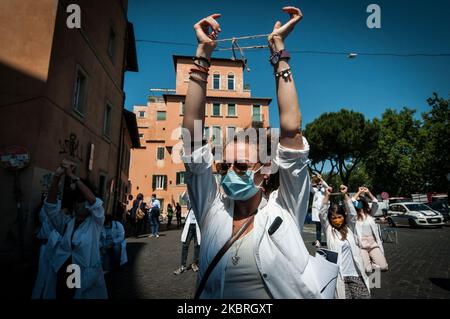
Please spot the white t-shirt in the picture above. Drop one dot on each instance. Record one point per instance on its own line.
(366, 229)
(347, 265)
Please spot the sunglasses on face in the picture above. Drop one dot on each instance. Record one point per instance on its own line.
(239, 168)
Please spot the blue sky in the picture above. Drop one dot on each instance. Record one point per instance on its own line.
(326, 83)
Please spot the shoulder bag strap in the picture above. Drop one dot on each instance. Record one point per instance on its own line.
(219, 256)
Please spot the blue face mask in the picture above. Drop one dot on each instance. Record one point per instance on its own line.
(239, 187)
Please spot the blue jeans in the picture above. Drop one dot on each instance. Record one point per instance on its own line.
(318, 231)
(154, 224)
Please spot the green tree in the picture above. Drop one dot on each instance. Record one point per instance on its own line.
(343, 139)
(435, 144)
(394, 164)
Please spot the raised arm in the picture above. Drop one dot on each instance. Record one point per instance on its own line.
(290, 116)
(374, 201)
(350, 208)
(198, 159)
(206, 31)
(323, 212)
(358, 193)
(87, 193)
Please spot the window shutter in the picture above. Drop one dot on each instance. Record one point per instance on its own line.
(165, 182)
(154, 182)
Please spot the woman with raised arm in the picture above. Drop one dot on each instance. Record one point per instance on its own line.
(367, 231)
(250, 228)
(339, 227)
(80, 241)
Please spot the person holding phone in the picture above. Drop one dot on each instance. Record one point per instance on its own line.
(339, 227)
(239, 258)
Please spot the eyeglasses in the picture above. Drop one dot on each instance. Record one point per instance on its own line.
(239, 168)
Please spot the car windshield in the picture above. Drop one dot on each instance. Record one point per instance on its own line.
(417, 207)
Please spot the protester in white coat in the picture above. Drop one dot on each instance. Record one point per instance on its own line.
(269, 260)
(80, 243)
(113, 245)
(352, 281)
(368, 232)
(45, 280)
(318, 187)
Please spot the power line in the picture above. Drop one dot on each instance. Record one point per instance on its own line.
(317, 52)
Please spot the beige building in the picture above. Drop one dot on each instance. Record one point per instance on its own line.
(62, 97)
(230, 106)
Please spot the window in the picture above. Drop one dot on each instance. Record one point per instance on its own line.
(141, 114)
(102, 185)
(141, 135)
(257, 113)
(182, 107)
(159, 182)
(216, 109)
(160, 153)
(230, 132)
(79, 96)
(180, 178)
(231, 82)
(217, 135)
(231, 109)
(160, 115)
(111, 43)
(206, 133)
(107, 121)
(216, 82)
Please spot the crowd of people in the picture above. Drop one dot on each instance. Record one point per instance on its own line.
(249, 221)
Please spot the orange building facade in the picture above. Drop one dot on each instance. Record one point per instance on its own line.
(155, 167)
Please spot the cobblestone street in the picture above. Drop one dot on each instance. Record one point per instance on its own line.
(419, 266)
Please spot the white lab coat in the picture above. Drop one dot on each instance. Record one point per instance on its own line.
(317, 201)
(188, 221)
(84, 247)
(335, 244)
(117, 233)
(282, 258)
(374, 226)
(45, 283)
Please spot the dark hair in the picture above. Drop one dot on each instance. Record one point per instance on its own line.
(108, 219)
(140, 196)
(339, 210)
(169, 205)
(365, 208)
(154, 195)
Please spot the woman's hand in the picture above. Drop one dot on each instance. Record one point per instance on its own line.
(206, 31)
(343, 189)
(60, 171)
(280, 32)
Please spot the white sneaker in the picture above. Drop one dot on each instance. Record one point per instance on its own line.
(157, 236)
(194, 267)
(180, 270)
(150, 236)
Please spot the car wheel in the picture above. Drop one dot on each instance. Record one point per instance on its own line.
(412, 223)
(391, 222)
